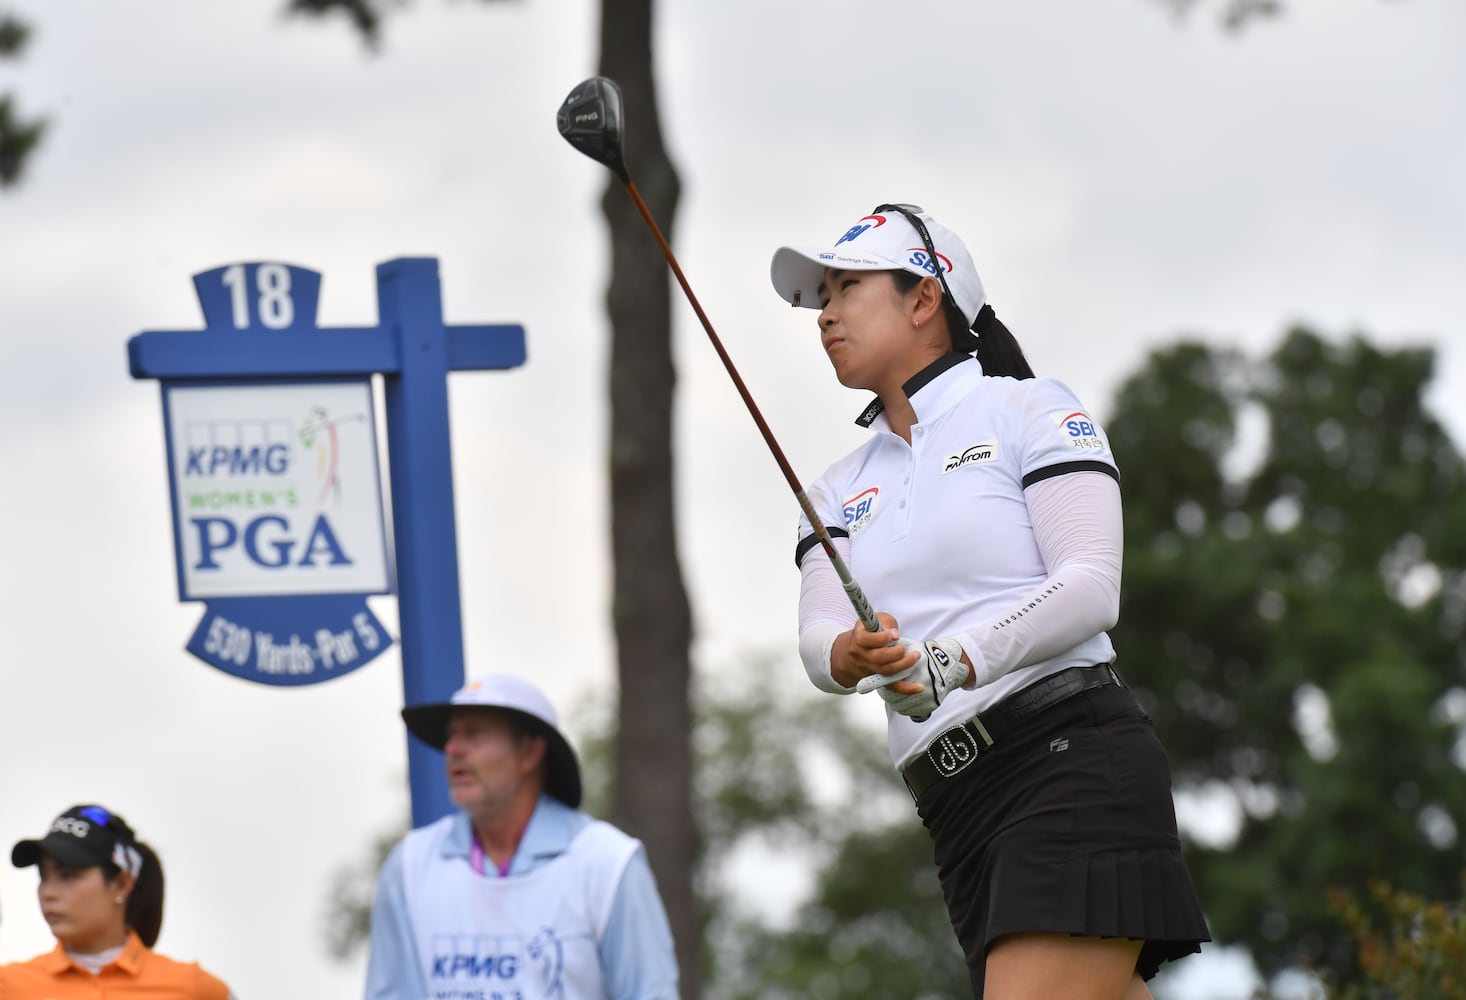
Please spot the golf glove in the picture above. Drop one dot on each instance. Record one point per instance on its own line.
(940, 669)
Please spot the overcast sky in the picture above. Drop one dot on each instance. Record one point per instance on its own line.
(1121, 178)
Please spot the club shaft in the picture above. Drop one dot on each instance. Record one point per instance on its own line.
(852, 589)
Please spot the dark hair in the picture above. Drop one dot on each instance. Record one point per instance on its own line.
(145, 903)
(523, 726)
(995, 347)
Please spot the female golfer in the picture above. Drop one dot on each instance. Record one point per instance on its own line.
(101, 892)
(982, 519)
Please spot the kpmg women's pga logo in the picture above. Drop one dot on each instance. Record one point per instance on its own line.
(275, 490)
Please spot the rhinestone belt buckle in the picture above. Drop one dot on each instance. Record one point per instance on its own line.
(952, 751)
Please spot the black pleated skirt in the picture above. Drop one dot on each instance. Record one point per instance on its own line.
(1067, 827)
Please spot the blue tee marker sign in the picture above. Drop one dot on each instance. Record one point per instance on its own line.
(277, 521)
(273, 474)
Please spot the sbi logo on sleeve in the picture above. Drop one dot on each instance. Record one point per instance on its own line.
(860, 508)
(1080, 431)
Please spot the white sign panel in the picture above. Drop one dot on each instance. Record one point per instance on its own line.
(275, 490)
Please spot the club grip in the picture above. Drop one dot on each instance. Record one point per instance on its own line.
(860, 604)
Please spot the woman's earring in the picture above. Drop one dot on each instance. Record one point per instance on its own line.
(121, 900)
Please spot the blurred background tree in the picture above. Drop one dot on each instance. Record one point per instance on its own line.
(1232, 15)
(1292, 614)
(1409, 946)
(18, 135)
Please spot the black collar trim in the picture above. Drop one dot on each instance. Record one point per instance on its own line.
(913, 385)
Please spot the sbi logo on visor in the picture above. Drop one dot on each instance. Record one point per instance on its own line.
(920, 258)
(864, 225)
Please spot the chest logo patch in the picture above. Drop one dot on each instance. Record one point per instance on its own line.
(1080, 431)
(860, 508)
(973, 454)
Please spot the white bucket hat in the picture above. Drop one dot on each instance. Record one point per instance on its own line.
(882, 241)
(429, 723)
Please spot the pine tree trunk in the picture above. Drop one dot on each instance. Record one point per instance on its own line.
(653, 768)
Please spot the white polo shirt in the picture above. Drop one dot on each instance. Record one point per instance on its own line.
(939, 529)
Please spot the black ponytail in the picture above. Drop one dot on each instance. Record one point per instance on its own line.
(996, 348)
(145, 905)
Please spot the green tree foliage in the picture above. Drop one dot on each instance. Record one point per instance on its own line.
(1409, 946)
(19, 137)
(1296, 623)
(1233, 15)
(13, 35)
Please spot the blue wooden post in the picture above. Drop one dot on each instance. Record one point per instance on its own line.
(422, 509)
(414, 352)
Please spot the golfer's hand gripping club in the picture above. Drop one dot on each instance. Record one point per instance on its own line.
(940, 670)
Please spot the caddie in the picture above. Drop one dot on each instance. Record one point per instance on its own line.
(518, 893)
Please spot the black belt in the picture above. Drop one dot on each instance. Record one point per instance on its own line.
(959, 746)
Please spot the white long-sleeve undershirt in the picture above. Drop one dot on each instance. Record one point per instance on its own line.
(1077, 527)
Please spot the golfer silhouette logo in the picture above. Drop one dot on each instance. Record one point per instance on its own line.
(548, 950)
(320, 434)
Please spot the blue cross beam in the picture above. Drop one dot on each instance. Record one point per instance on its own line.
(272, 461)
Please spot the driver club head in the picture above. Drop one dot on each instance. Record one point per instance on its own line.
(590, 120)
